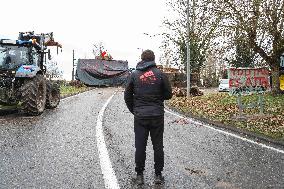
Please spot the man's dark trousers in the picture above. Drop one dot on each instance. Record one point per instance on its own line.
(142, 128)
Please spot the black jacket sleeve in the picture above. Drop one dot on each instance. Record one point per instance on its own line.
(129, 93)
(167, 89)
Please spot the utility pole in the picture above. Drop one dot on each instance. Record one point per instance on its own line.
(73, 73)
(188, 53)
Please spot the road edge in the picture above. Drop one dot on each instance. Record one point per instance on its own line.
(74, 94)
(242, 132)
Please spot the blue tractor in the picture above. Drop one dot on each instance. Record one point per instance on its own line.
(23, 73)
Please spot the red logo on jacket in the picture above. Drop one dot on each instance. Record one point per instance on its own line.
(148, 77)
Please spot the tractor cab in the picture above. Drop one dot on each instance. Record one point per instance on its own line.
(17, 55)
(12, 57)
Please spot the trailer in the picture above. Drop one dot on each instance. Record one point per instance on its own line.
(99, 72)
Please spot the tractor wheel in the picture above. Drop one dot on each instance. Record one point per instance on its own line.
(52, 95)
(34, 95)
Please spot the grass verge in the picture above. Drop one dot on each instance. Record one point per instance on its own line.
(221, 108)
(2, 107)
(70, 90)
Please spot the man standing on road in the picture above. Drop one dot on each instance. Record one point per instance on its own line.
(145, 92)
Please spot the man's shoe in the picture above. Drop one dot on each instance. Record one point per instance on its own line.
(159, 179)
(139, 179)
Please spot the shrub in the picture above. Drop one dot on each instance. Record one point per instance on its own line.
(76, 83)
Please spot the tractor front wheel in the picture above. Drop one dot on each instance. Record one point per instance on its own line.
(34, 95)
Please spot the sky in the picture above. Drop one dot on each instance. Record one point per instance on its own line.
(118, 24)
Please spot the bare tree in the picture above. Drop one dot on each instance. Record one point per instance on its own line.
(204, 22)
(167, 53)
(52, 70)
(261, 22)
(98, 48)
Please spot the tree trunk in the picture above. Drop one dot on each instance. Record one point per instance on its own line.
(275, 78)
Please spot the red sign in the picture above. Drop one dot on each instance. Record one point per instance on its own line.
(248, 80)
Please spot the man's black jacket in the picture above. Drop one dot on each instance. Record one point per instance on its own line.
(146, 90)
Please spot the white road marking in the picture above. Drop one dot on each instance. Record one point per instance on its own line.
(106, 167)
(226, 133)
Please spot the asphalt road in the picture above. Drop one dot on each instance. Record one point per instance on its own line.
(60, 149)
(195, 156)
(54, 150)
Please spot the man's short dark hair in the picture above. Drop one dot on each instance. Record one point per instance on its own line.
(148, 55)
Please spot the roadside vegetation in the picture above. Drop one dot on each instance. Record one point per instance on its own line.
(72, 87)
(221, 108)
(212, 36)
(7, 107)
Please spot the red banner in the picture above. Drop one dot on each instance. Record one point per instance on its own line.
(248, 80)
